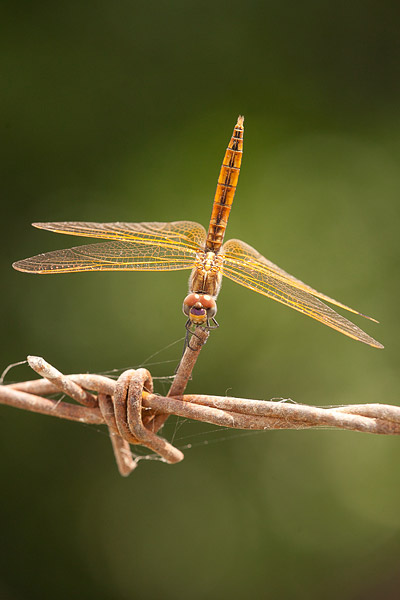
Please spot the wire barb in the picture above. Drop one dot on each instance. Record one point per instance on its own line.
(134, 414)
(118, 404)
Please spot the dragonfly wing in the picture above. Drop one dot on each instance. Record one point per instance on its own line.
(238, 250)
(256, 277)
(110, 256)
(183, 233)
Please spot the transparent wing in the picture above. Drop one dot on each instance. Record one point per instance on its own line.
(238, 250)
(111, 256)
(258, 276)
(181, 233)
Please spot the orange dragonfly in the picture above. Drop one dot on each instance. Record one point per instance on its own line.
(187, 245)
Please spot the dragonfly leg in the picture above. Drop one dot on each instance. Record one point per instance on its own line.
(200, 333)
(187, 336)
(215, 326)
(189, 332)
(188, 339)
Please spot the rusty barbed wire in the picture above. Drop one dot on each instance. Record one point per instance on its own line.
(133, 413)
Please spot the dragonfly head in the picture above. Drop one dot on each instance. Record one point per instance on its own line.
(199, 308)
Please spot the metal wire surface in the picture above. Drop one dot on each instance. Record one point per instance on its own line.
(134, 414)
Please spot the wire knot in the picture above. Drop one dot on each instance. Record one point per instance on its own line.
(123, 413)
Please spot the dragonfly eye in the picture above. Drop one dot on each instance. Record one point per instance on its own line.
(209, 304)
(212, 311)
(199, 307)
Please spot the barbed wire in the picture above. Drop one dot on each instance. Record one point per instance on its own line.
(134, 414)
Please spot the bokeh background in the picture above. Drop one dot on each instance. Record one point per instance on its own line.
(122, 111)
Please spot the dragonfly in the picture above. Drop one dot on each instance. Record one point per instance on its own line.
(181, 245)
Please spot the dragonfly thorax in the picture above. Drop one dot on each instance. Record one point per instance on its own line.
(206, 277)
(199, 308)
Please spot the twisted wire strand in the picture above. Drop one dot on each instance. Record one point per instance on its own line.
(133, 413)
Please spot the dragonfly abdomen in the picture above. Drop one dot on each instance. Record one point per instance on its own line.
(226, 187)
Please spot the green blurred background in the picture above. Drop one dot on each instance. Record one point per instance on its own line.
(122, 111)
